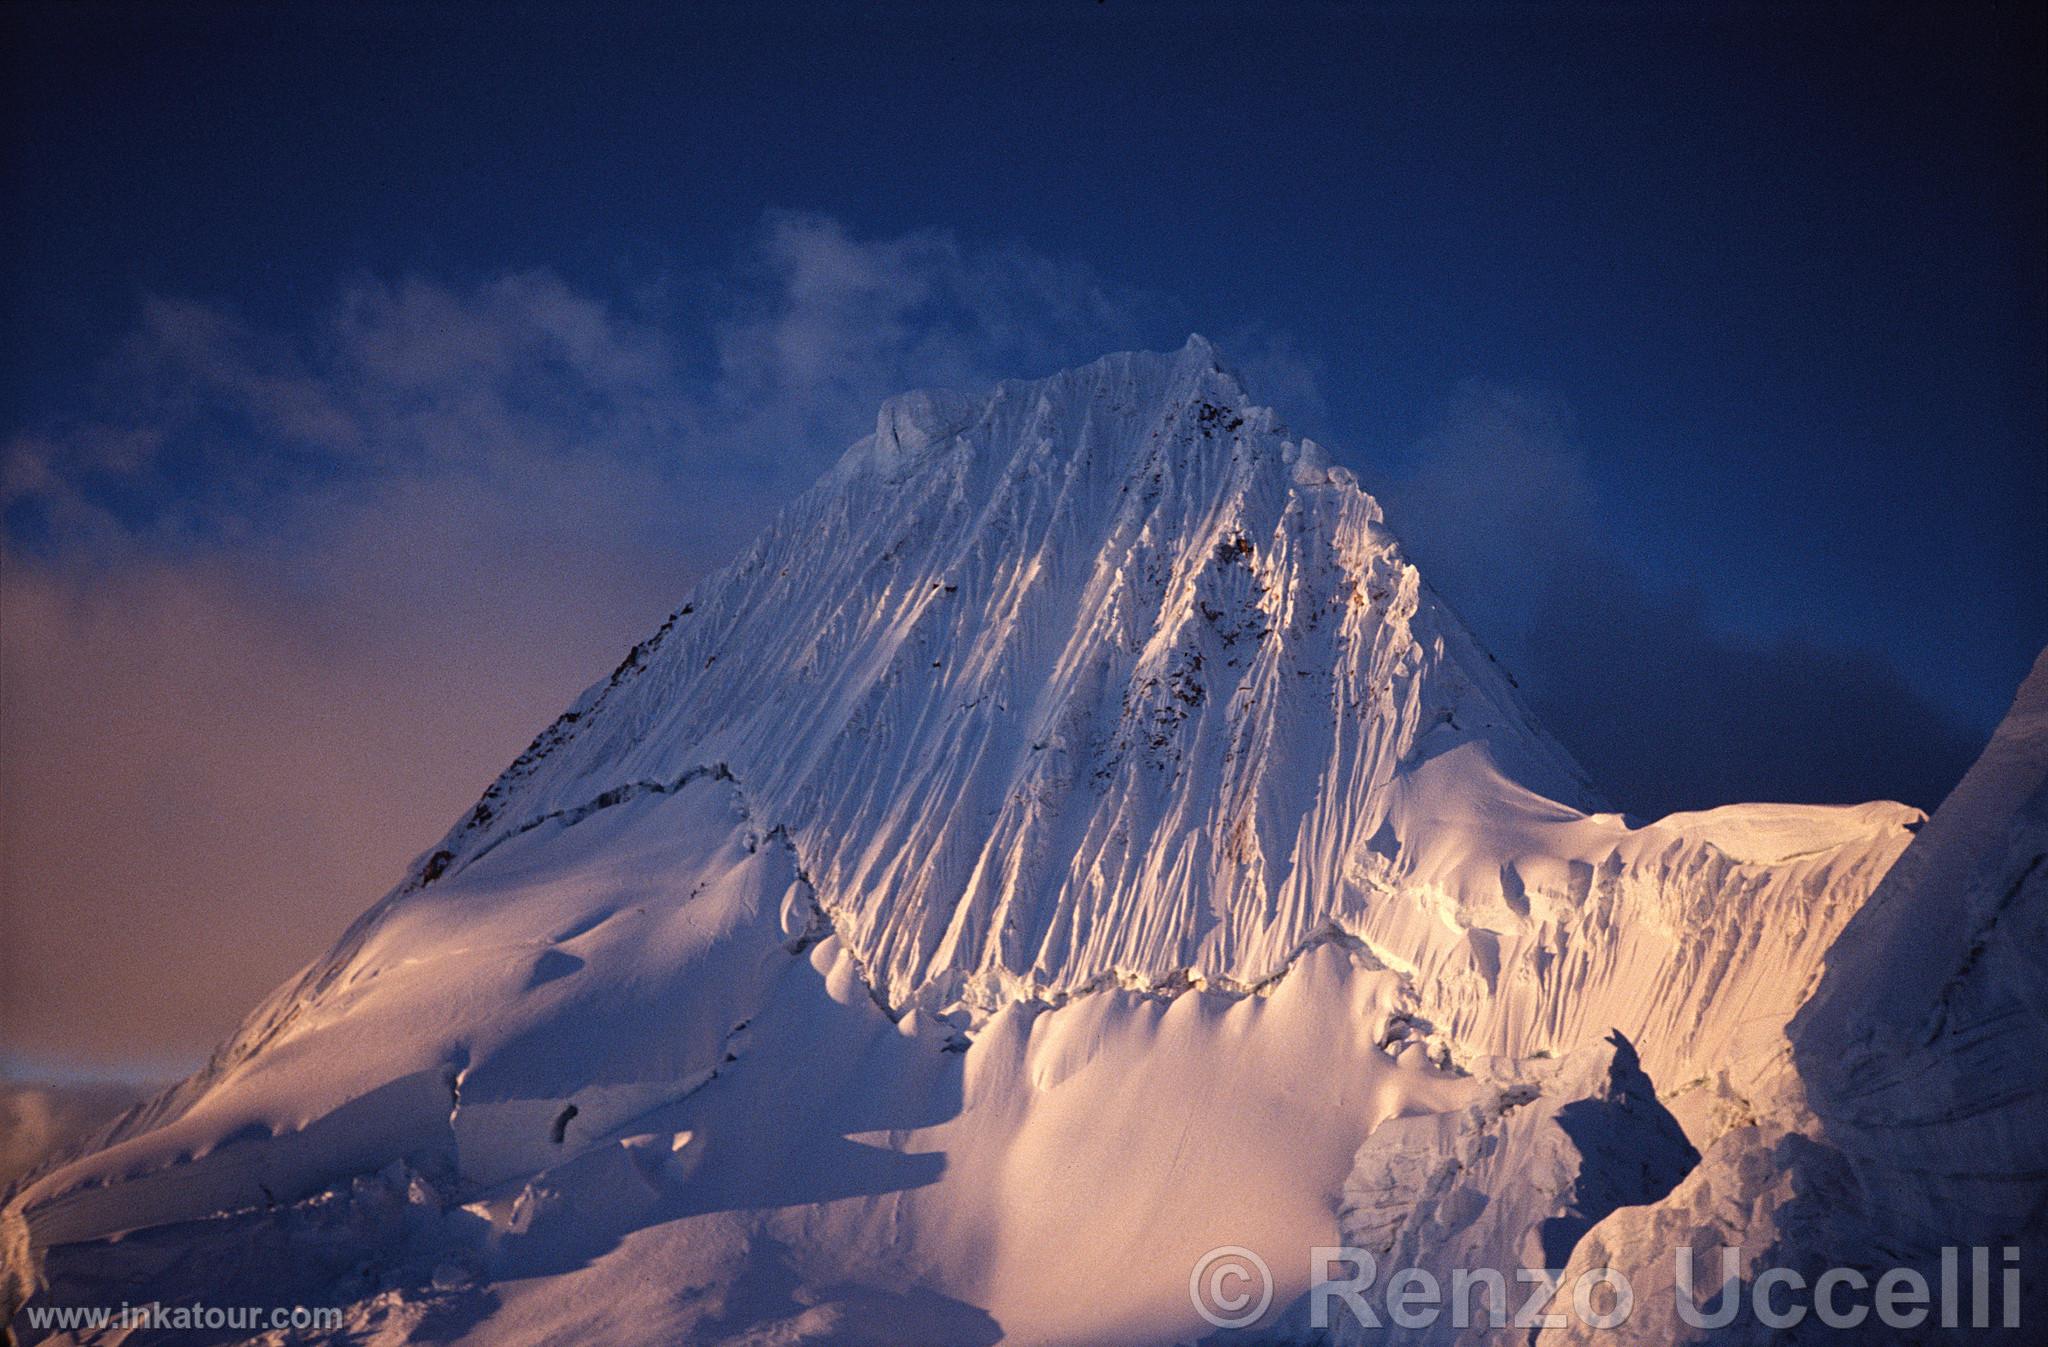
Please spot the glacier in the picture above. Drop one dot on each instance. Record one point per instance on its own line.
(1070, 839)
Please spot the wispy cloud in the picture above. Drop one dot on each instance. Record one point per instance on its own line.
(39, 1120)
(280, 602)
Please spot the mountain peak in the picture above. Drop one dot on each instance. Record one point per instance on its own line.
(1079, 773)
(1149, 386)
(1199, 350)
(1096, 675)
(1102, 675)
(1100, 678)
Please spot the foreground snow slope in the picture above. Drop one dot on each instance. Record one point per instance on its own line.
(740, 1100)
(1052, 848)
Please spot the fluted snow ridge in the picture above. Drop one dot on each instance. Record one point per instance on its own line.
(1102, 672)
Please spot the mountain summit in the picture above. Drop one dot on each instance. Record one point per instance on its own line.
(1104, 675)
(1053, 848)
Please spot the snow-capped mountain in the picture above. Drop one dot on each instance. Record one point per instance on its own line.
(1071, 838)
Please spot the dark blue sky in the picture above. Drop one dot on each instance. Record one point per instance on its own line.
(1784, 270)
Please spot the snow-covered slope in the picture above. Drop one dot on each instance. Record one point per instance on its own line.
(1049, 851)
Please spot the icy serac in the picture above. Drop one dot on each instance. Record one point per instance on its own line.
(1906, 1111)
(1055, 848)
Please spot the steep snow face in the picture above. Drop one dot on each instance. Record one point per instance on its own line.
(1101, 675)
(610, 966)
(1921, 1050)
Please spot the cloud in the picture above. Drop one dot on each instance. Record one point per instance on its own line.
(1663, 709)
(820, 323)
(1278, 373)
(1499, 502)
(1668, 713)
(39, 1121)
(280, 602)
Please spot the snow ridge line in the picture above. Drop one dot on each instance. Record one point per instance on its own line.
(827, 919)
(1168, 986)
(617, 795)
